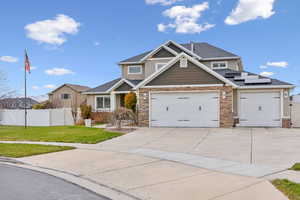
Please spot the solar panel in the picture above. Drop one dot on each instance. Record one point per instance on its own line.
(232, 74)
(241, 78)
(258, 81)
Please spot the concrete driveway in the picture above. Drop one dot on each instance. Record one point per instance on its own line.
(178, 163)
(274, 147)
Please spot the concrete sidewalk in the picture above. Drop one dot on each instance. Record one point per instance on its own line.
(220, 165)
(152, 178)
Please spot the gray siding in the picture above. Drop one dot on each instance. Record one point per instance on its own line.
(124, 87)
(132, 76)
(184, 76)
(150, 65)
(232, 64)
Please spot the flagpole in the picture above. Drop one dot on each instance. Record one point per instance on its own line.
(25, 81)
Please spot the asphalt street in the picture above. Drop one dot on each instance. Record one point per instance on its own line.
(24, 184)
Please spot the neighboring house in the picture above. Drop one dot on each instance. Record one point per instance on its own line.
(68, 95)
(17, 103)
(195, 85)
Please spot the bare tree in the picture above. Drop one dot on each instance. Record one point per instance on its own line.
(75, 110)
(5, 91)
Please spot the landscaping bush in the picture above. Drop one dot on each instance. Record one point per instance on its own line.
(43, 105)
(101, 117)
(122, 114)
(130, 101)
(86, 111)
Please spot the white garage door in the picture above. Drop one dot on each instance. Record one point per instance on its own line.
(184, 109)
(260, 109)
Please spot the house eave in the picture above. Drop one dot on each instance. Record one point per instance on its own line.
(221, 58)
(267, 87)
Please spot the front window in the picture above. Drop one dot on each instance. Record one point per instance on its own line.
(158, 66)
(103, 102)
(65, 96)
(136, 69)
(219, 65)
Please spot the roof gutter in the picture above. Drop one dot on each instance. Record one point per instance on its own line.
(221, 58)
(267, 87)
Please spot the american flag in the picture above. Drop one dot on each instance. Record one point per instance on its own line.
(27, 63)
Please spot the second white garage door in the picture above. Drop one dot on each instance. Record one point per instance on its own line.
(184, 109)
(260, 109)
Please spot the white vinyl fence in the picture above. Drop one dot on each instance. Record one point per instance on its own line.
(296, 114)
(48, 117)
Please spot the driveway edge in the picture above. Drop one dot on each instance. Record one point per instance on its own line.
(99, 189)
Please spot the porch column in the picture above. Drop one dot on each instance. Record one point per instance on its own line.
(112, 101)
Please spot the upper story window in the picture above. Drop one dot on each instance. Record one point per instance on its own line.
(103, 102)
(219, 65)
(135, 69)
(65, 96)
(158, 66)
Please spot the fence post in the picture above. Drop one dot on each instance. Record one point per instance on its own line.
(64, 116)
(50, 117)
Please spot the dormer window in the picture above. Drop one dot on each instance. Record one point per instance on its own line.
(135, 69)
(219, 65)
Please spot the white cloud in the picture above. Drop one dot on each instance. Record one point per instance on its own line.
(52, 31)
(35, 87)
(267, 73)
(58, 71)
(162, 2)
(96, 43)
(9, 59)
(247, 10)
(282, 64)
(161, 27)
(186, 19)
(49, 86)
(263, 67)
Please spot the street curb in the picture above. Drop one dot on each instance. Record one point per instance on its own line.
(10, 160)
(99, 189)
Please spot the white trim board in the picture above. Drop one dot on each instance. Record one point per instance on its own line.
(182, 86)
(266, 87)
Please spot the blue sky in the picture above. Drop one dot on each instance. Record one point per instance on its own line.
(82, 42)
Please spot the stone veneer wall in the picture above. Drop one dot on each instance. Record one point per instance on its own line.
(286, 123)
(226, 112)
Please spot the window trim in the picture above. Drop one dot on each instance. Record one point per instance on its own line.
(156, 65)
(102, 109)
(218, 62)
(140, 66)
(62, 95)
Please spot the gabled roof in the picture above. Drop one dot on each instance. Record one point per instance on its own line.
(193, 60)
(103, 88)
(111, 85)
(207, 51)
(200, 50)
(77, 88)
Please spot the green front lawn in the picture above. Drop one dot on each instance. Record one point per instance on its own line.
(289, 188)
(296, 167)
(70, 134)
(22, 150)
